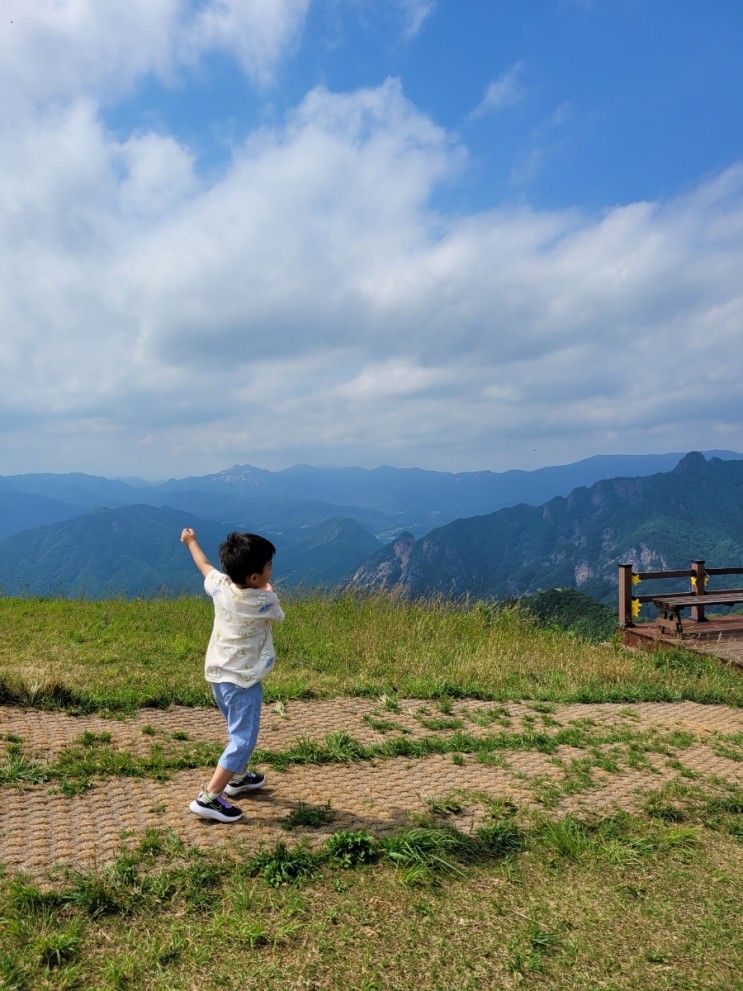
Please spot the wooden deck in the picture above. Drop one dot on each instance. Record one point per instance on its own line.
(721, 636)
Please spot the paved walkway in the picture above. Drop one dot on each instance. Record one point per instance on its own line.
(41, 828)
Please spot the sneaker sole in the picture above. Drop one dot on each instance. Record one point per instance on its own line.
(210, 814)
(242, 790)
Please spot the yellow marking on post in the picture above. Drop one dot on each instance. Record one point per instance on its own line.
(636, 579)
(636, 604)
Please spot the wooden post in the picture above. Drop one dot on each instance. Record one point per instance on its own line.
(625, 596)
(697, 612)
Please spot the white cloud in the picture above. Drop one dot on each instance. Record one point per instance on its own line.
(156, 175)
(51, 49)
(257, 32)
(505, 91)
(399, 377)
(58, 49)
(414, 13)
(312, 304)
(314, 211)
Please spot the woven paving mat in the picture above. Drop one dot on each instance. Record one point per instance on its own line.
(40, 829)
(48, 733)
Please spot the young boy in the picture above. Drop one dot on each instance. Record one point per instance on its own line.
(240, 654)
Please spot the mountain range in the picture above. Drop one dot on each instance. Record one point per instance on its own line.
(86, 535)
(657, 523)
(383, 500)
(418, 500)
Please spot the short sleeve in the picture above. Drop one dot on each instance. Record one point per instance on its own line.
(212, 581)
(271, 609)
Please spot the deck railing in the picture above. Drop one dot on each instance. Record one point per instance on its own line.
(698, 575)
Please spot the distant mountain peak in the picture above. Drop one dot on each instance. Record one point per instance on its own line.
(692, 461)
(239, 468)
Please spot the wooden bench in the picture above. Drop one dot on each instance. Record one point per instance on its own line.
(669, 607)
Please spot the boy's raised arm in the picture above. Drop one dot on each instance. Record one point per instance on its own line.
(188, 537)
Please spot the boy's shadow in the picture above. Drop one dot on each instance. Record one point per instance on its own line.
(267, 810)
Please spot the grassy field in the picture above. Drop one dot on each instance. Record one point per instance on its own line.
(121, 655)
(620, 903)
(531, 899)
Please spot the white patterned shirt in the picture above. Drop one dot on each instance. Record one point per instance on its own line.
(240, 650)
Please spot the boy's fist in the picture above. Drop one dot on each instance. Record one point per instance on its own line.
(187, 535)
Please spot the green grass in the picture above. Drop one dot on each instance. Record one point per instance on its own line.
(384, 725)
(440, 722)
(306, 816)
(77, 768)
(450, 805)
(119, 656)
(617, 901)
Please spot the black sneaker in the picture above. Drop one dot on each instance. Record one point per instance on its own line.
(216, 808)
(248, 782)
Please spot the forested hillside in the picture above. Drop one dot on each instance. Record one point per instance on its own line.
(658, 522)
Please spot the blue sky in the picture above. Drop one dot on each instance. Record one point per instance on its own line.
(453, 233)
(609, 101)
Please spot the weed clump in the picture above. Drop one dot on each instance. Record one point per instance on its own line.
(499, 839)
(349, 848)
(280, 865)
(310, 816)
(59, 948)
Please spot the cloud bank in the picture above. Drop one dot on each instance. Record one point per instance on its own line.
(312, 303)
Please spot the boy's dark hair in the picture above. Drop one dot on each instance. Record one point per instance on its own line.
(245, 554)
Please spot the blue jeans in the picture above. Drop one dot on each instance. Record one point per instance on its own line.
(241, 708)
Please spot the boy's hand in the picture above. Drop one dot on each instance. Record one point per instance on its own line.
(188, 535)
